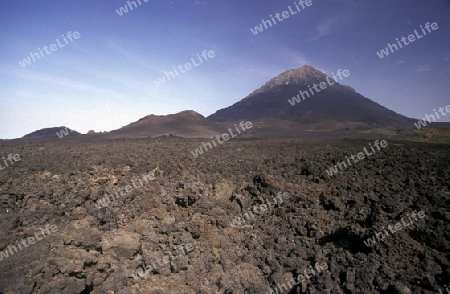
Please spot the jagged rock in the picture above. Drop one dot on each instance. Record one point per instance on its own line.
(324, 221)
(120, 244)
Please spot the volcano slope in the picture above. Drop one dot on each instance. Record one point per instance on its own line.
(195, 202)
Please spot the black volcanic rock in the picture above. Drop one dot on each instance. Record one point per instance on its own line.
(184, 124)
(335, 107)
(325, 219)
(51, 133)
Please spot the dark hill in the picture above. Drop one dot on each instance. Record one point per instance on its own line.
(335, 107)
(51, 133)
(184, 124)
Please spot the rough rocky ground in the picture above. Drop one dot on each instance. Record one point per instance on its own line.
(193, 201)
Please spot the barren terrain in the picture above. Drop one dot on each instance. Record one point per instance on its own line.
(192, 201)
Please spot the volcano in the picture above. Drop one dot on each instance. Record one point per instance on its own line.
(294, 100)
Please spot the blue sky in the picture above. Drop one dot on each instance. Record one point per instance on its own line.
(104, 79)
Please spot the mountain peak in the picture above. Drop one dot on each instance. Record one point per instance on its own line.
(182, 114)
(304, 75)
(189, 113)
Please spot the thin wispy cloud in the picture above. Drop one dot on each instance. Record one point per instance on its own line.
(423, 68)
(128, 55)
(37, 77)
(325, 28)
(444, 71)
(295, 57)
(118, 78)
